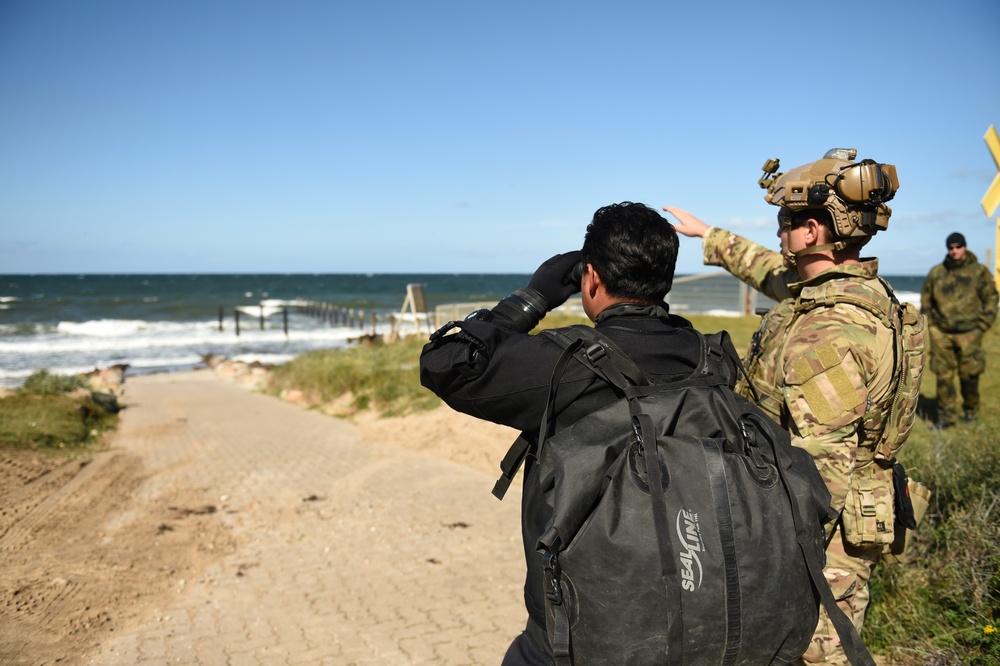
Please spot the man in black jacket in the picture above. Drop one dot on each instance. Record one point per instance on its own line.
(493, 370)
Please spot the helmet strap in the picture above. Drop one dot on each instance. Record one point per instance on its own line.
(791, 258)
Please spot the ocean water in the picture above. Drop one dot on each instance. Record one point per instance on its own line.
(157, 323)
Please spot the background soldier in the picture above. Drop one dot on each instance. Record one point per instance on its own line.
(822, 363)
(959, 298)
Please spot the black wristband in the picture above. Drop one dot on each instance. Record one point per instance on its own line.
(523, 309)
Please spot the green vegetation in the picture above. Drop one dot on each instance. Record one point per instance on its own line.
(387, 377)
(944, 608)
(382, 377)
(44, 382)
(40, 415)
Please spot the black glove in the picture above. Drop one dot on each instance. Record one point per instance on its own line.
(552, 279)
(548, 288)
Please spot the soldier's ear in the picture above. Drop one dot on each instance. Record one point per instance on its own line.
(815, 231)
(594, 278)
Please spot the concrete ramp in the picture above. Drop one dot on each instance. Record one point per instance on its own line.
(347, 553)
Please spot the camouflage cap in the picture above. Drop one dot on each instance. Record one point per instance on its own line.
(854, 192)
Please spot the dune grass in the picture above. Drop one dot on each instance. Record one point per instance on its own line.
(386, 378)
(944, 608)
(382, 377)
(40, 415)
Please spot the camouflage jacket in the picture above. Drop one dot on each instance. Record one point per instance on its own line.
(828, 378)
(959, 296)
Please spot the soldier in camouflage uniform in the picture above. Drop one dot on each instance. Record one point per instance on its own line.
(824, 372)
(959, 298)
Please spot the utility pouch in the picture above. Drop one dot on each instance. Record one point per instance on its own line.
(869, 515)
(916, 496)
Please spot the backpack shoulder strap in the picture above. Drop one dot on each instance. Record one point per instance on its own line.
(519, 450)
(596, 353)
(600, 355)
(723, 356)
(583, 343)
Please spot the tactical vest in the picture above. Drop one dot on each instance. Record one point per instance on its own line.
(887, 423)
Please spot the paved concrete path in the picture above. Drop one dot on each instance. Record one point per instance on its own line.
(404, 559)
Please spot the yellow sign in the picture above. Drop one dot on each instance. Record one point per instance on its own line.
(992, 198)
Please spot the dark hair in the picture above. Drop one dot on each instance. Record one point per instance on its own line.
(821, 215)
(634, 250)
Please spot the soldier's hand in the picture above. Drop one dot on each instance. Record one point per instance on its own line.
(688, 224)
(550, 280)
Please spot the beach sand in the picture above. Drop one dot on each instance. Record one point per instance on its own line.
(225, 526)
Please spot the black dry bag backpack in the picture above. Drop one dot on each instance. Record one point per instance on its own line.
(684, 527)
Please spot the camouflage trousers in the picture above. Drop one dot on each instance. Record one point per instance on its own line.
(848, 570)
(962, 352)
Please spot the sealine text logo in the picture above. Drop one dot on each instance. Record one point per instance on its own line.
(689, 533)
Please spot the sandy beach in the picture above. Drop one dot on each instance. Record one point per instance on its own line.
(223, 526)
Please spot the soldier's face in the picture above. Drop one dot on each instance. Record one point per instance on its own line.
(784, 235)
(956, 252)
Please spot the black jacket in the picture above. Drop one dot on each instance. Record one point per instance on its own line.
(502, 376)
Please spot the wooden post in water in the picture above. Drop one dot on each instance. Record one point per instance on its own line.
(236, 313)
(222, 314)
(284, 316)
(374, 323)
(262, 316)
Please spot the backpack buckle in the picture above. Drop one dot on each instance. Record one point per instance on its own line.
(552, 570)
(595, 352)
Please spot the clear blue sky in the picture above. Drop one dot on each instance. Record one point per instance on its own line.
(308, 136)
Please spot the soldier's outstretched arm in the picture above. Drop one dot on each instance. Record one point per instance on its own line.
(762, 269)
(687, 224)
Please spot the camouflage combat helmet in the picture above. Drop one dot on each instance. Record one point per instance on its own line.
(854, 192)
